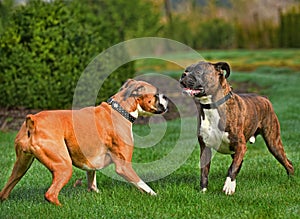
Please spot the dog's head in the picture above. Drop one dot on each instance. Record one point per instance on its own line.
(149, 100)
(204, 78)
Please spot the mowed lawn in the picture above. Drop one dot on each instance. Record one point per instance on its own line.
(263, 188)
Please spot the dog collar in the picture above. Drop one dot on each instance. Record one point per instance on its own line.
(116, 106)
(215, 105)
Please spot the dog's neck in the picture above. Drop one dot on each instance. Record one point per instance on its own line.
(215, 97)
(117, 107)
(129, 105)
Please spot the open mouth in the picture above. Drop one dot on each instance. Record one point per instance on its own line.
(192, 92)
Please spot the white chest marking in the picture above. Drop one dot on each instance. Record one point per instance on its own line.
(212, 136)
(135, 114)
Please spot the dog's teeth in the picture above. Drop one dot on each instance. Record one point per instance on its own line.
(190, 92)
(195, 92)
(187, 91)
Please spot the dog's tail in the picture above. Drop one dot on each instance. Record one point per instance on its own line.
(30, 125)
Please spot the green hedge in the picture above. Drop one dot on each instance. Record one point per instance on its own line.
(201, 33)
(288, 32)
(45, 47)
(201, 27)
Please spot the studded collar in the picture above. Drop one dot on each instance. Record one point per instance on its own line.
(116, 106)
(215, 105)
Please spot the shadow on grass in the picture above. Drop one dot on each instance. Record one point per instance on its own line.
(34, 195)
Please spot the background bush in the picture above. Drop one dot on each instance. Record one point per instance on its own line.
(201, 33)
(209, 24)
(289, 36)
(215, 34)
(45, 47)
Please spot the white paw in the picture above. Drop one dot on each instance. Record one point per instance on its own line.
(144, 187)
(204, 190)
(252, 140)
(93, 189)
(152, 193)
(229, 186)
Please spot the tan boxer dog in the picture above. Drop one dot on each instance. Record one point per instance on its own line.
(227, 120)
(90, 138)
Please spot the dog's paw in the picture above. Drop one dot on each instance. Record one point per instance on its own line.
(229, 186)
(204, 190)
(152, 193)
(252, 140)
(92, 189)
(141, 185)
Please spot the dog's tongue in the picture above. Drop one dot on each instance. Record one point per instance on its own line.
(191, 92)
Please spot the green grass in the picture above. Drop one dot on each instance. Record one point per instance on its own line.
(263, 188)
(242, 60)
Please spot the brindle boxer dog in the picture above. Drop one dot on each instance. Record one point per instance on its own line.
(90, 138)
(227, 120)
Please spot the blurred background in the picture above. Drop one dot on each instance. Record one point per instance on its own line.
(46, 45)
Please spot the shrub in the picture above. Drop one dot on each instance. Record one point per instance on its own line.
(216, 34)
(288, 29)
(46, 46)
(201, 33)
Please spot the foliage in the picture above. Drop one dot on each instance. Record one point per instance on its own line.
(5, 8)
(234, 24)
(288, 30)
(216, 34)
(47, 45)
(201, 33)
(262, 34)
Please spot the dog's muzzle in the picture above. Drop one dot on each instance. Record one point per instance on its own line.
(161, 103)
(190, 86)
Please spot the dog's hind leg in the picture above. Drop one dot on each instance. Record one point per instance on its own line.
(22, 164)
(56, 158)
(52, 152)
(271, 135)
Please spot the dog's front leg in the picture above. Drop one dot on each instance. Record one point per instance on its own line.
(205, 159)
(91, 175)
(142, 186)
(238, 156)
(124, 169)
(91, 180)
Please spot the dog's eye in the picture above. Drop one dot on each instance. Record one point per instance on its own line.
(149, 101)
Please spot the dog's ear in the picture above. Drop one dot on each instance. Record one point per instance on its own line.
(127, 83)
(131, 89)
(223, 66)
